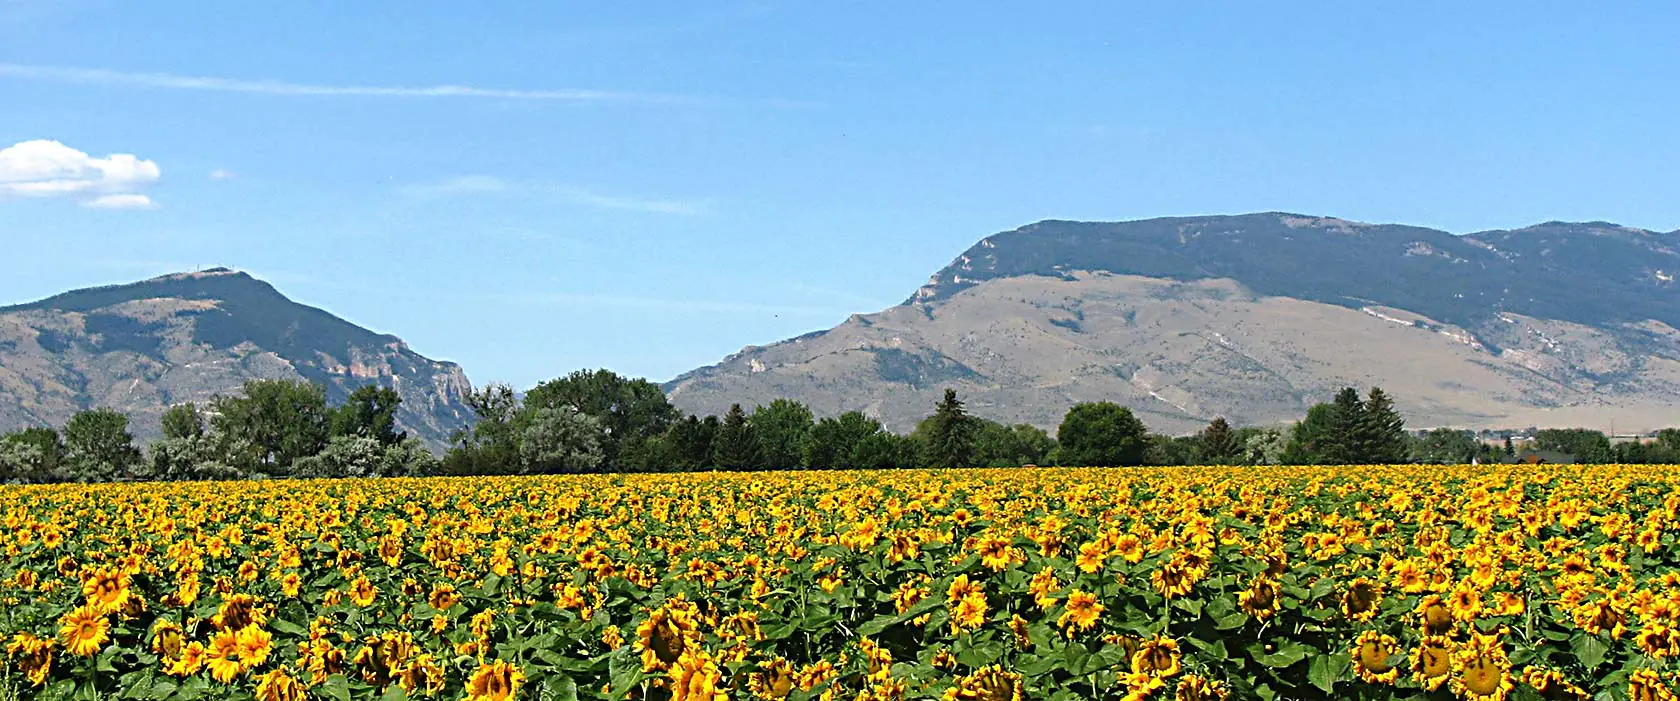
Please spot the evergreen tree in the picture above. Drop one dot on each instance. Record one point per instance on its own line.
(834, 440)
(1220, 444)
(1381, 432)
(1510, 448)
(951, 434)
(1347, 442)
(1311, 438)
(736, 447)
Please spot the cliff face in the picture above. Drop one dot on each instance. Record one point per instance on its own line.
(1254, 318)
(142, 347)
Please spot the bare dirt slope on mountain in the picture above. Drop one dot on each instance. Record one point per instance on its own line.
(142, 347)
(1179, 352)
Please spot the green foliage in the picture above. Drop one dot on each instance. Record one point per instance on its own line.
(370, 412)
(1446, 446)
(99, 447)
(1101, 434)
(491, 446)
(1585, 445)
(1350, 431)
(560, 440)
(950, 434)
(997, 445)
(690, 443)
(283, 421)
(183, 421)
(1172, 450)
(1220, 445)
(1265, 447)
(736, 446)
(33, 455)
(834, 441)
(1380, 433)
(782, 427)
(629, 410)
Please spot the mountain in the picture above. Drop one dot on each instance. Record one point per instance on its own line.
(1255, 317)
(142, 347)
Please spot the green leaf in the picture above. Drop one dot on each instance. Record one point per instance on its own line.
(1215, 650)
(1326, 670)
(337, 687)
(1230, 621)
(560, 688)
(284, 626)
(1589, 650)
(394, 693)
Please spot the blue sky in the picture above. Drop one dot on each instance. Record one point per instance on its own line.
(532, 188)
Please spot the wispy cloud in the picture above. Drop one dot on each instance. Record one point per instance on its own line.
(469, 185)
(633, 204)
(222, 174)
(170, 81)
(128, 201)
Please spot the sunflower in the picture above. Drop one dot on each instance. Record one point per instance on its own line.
(106, 591)
(1042, 586)
(238, 611)
(1434, 617)
(1018, 628)
(667, 633)
(774, 682)
(33, 655)
(167, 640)
(987, 684)
(443, 596)
(280, 686)
(423, 674)
(1465, 602)
(695, 677)
(1361, 600)
(1140, 686)
(1156, 657)
(84, 631)
(494, 681)
(1483, 671)
(1196, 688)
(1552, 685)
(1432, 662)
(1647, 685)
(1658, 640)
(363, 592)
(1260, 599)
(1081, 612)
(189, 663)
(1371, 654)
(222, 656)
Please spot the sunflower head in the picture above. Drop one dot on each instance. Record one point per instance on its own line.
(1373, 653)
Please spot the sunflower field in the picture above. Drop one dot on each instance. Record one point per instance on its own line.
(1374, 582)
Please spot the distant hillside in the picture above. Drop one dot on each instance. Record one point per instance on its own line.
(142, 347)
(1254, 317)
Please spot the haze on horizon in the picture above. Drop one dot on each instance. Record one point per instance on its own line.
(648, 188)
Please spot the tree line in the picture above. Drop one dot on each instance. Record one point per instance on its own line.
(599, 421)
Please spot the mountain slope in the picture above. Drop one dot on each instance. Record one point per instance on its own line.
(1255, 317)
(142, 347)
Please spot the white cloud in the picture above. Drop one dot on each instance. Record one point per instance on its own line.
(129, 201)
(168, 81)
(44, 168)
(459, 185)
(222, 174)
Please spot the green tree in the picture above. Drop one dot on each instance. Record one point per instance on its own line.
(38, 455)
(99, 447)
(997, 445)
(1311, 437)
(1446, 446)
(1219, 443)
(883, 450)
(1101, 434)
(206, 456)
(1380, 432)
(19, 462)
(833, 440)
(370, 412)
(736, 447)
(1582, 444)
(491, 446)
(781, 427)
(1266, 446)
(560, 440)
(950, 435)
(346, 456)
(1172, 450)
(1346, 442)
(283, 421)
(690, 443)
(629, 410)
(183, 421)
